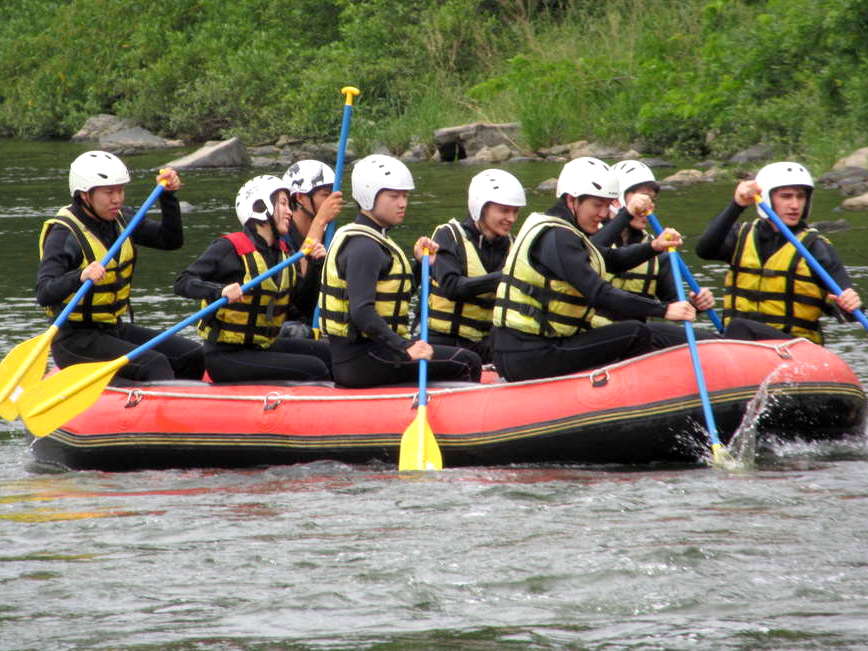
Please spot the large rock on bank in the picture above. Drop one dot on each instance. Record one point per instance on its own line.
(467, 140)
(224, 153)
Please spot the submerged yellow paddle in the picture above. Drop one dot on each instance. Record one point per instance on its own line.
(47, 405)
(419, 449)
(25, 364)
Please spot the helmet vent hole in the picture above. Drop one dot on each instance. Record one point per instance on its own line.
(101, 175)
(597, 185)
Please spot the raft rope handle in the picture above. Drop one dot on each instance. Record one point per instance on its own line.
(134, 397)
(271, 401)
(599, 377)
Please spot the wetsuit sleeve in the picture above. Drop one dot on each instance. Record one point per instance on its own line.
(609, 234)
(566, 258)
(363, 260)
(721, 236)
(166, 234)
(307, 289)
(666, 291)
(59, 273)
(447, 271)
(625, 258)
(205, 278)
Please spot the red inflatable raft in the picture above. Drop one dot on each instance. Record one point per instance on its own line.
(640, 411)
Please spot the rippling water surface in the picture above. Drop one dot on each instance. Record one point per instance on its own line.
(771, 555)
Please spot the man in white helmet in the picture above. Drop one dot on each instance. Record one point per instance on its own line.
(310, 185)
(241, 338)
(771, 292)
(553, 283)
(71, 245)
(637, 194)
(469, 261)
(367, 285)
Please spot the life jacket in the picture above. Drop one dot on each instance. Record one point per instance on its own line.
(469, 318)
(780, 292)
(393, 292)
(255, 320)
(641, 279)
(109, 298)
(529, 302)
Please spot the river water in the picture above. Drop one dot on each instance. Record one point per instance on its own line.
(773, 555)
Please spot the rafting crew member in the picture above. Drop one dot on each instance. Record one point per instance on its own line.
(471, 255)
(241, 338)
(771, 292)
(367, 285)
(310, 184)
(71, 246)
(553, 282)
(637, 194)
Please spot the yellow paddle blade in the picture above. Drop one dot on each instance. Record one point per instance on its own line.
(50, 404)
(23, 367)
(419, 449)
(721, 457)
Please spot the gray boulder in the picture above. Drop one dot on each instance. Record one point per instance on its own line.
(223, 153)
(467, 140)
(132, 141)
(752, 154)
(100, 125)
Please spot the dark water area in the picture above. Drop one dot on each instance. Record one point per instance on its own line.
(771, 555)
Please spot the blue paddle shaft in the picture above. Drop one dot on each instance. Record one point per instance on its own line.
(339, 177)
(830, 283)
(694, 354)
(685, 272)
(423, 330)
(212, 307)
(112, 252)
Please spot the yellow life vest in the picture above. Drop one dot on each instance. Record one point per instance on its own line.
(470, 318)
(641, 279)
(780, 292)
(109, 298)
(393, 293)
(529, 302)
(255, 320)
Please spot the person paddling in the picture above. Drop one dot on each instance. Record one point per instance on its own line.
(241, 338)
(553, 283)
(771, 291)
(469, 262)
(653, 278)
(367, 285)
(72, 243)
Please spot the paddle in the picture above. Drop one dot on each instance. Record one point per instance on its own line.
(830, 283)
(349, 92)
(25, 364)
(719, 453)
(685, 272)
(419, 449)
(48, 405)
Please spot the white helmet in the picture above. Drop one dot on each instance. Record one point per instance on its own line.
(307, 175)
(255, 198)
(631, 173)
(494, 185)
(378, 172)
(587, 176)
(93, 169)
(783, 174)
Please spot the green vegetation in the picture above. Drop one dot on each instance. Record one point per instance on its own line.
(694, 77)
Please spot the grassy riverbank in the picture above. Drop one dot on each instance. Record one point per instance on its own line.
(696, 77)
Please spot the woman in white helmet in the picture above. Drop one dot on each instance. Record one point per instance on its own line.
(367, 285)
(554, 282)
(637, 194)
(771, 292)
(71, 245)
(241, 338)
(469, 261)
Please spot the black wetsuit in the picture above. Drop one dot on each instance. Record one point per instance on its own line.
(557, 253)
(76, 342)
(287, 358)
(450, 275)
(379, 357)
(719, 242)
